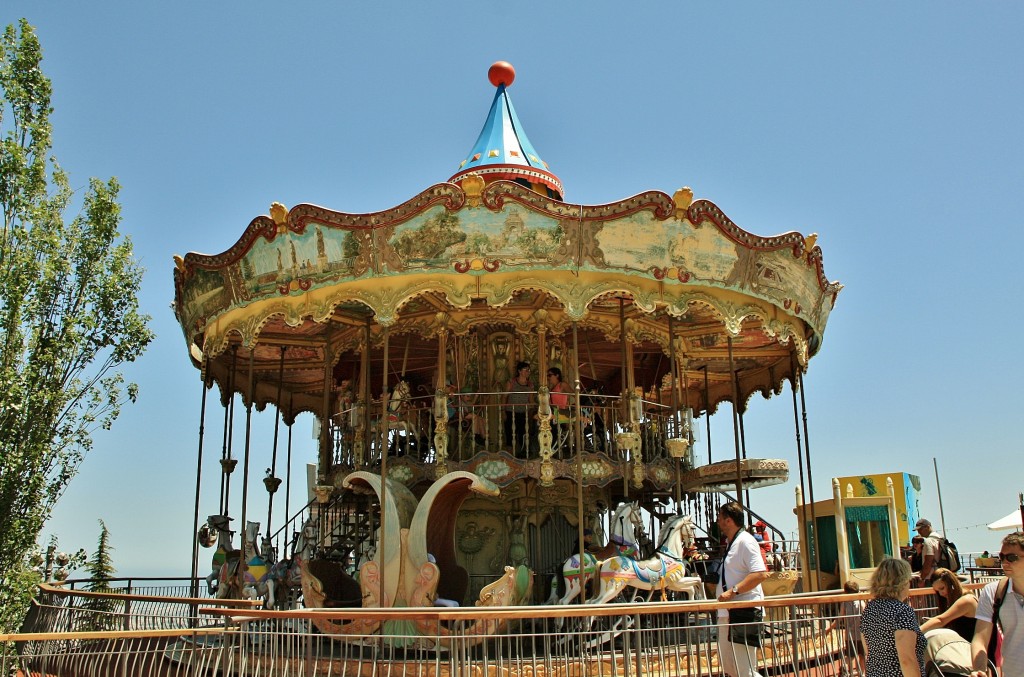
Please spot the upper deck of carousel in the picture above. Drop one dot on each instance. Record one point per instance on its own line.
(495, 258)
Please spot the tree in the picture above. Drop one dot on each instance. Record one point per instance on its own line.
(101, 570)
(69, 315)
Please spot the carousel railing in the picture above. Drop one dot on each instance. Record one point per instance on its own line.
(162, 586)
(803, 634)
(482, 422)
(59, 609)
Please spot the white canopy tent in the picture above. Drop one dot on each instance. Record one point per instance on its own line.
(1011, 521)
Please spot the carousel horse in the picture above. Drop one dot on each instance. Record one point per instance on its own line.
(401, 420)
(287, 572)
(627, 530)
(229, 584)
(260, 574)
(222, 581)
(665, 571)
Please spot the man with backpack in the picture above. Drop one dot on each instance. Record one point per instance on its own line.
(935, 551)
(1002, 603)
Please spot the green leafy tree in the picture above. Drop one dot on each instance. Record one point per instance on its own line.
(69, 315)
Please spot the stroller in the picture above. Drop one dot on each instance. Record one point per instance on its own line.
(947, 654)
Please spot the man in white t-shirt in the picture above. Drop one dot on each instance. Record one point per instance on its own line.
(1011, 613)
(930, 550)
(739, 580)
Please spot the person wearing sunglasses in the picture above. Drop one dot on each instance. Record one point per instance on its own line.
(1002, 602)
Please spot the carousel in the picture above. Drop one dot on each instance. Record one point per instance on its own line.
(500, 379)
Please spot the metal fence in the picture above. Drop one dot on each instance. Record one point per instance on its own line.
(803, 634)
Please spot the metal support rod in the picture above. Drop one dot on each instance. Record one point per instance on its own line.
(288, 474)
(624, 367)
(199, 475)
(325, 447)
(672, 366)
(277, 426)
(579, 452)
(938, 489)
(672, 380)
(807, 442)
(229, 425)
(707, 409)
(383, 426)
(625, 377)
(736, 425)
(807, 439)
(364, 385)
(743, 436)
(809, 526)
(251, 393)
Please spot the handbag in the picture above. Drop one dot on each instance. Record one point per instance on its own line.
(746, 626)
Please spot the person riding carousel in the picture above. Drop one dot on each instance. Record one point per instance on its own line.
(560, 408)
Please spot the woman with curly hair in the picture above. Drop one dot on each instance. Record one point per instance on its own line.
(956, 608)
(890, 626)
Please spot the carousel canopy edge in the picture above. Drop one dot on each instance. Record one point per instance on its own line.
(449, 232)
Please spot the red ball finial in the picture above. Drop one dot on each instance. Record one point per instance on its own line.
(501, 73)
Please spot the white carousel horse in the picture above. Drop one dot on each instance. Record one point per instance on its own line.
(401, 418)
(626, 529)
(666, 570)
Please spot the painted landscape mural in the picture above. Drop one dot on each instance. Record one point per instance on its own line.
(514, 235)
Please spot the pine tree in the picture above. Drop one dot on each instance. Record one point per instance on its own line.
(101, 571)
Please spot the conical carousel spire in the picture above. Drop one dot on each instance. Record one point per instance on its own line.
(502, 150)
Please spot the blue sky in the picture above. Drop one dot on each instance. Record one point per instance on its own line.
(891, 129)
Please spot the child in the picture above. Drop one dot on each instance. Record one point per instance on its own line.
(849, 619)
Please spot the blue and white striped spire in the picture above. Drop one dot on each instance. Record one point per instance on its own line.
(502, 151)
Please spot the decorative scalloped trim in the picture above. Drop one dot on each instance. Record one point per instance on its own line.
(447, 194)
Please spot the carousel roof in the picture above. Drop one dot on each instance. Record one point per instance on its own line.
(489, 259)
(502, 150)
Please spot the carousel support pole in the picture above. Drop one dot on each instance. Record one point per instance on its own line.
(707, 408)
(383, 428)
(542, 346)
(271, 487)
(626, 379)
(743, 434)
(227, 464)
(672, 368)
(689, 435)
(194, 584)
(807, 441)
(288, 473)
(579, 450)
(326, 447)
(250, 396)
(544, 436)
(441, 399)
(802, 489)
(736, 425)
(364, 386)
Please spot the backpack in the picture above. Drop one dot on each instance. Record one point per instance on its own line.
(947, 557)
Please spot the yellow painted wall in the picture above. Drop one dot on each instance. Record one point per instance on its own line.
(905, 490)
